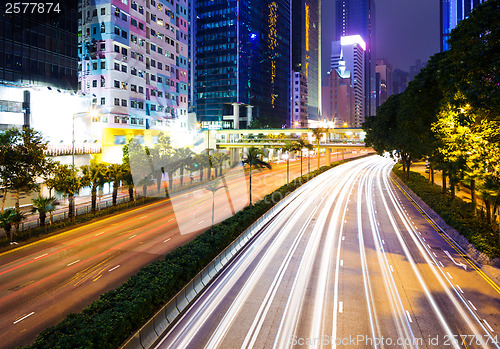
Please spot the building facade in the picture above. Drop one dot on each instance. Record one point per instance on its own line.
(338, 99)
(243, 62)
(399, 81)
(134, 62)
(350, 63)
(306, 49)
(384, 80)
(357, 17)
(40, 49)
(299, 101)
(452, 12)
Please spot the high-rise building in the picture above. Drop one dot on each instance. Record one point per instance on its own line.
(350, 64)
(338, 99)
(40, 48)
(243, 65)
(415, 69)
(134, 61)
(399, 81)
(357, 17)
(384, 74)
(299, 101)
(452, 12)
(306, 49)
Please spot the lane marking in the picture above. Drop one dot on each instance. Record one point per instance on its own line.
(43, 255)
(408, 315)
(114, 268)
(142, 217)
(24, 317)
(434, 253)
(392, 269)
(170, 220)
(472, 305)
(166, 240)
(99, 233)
(341, 262)
(383, 242)
(97, 278)
(341, 307)
(488, 325)
(451, 277)
(200, 222)
(132, 236)
(343, 238)
(459, 264)
(441, 264)
(423, 238)
(73, 263)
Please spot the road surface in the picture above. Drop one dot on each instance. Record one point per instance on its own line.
(350, 263)
(42, 282)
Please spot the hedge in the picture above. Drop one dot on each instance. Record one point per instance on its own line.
(455, 212)
(112, 319)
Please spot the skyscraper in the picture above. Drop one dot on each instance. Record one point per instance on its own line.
(134, 59)
(357, 17)
(243, 61)
(306, 47)
(350, 64)
(384, 73)
(39, 49)
(452, 12)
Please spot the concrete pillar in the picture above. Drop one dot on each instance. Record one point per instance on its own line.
(236, 115)
(327, 153)
(249, 114)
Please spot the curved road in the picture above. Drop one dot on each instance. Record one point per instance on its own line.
(350, 263)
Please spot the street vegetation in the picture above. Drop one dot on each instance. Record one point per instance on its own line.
(449, 115)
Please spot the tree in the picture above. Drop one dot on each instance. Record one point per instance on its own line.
(253, 160)
(43, 205)
(203, 162)
(183, 156)
(218, 161)
(94, 176)
(213, 186)
(290, 146)
(68, 181)
(318, 133)
(6, 220)
(115, 173)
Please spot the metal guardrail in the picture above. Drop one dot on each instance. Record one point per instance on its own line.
(147, 336)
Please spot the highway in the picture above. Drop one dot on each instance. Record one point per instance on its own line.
(42, 282)
(350, 262)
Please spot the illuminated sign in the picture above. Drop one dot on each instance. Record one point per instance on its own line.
(273, 44)
(351, 40)
(308, 18)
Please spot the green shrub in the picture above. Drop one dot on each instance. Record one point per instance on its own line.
(455, 212)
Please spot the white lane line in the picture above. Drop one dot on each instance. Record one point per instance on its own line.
(429, 246)
(99, 233)
(341, 307)
(392, 269)
(434, 253)
(142, 217)
(43, 255)
(441, 264)
(24, 317)
(473, 307)
(200, 222)
(408, 315)
(73, 263)
(132, 236)
(459, 264)
(341, 262)
(423, 238)
(345, 221)
(343, 238)
(383, 242)
(451, 277)
(170, 220)
(488, 325)
(459, 289)
(166, 240)
(114, 268)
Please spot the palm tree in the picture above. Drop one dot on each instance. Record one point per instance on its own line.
(217, 161)
(289, 147)
(302, 143)
(183, 160)
(318, 132)
(67, 181)
(94, 176)
(42, 205)
(253, 161)
(115, 173)
(213, 186)
(6, 221)
(203, 162)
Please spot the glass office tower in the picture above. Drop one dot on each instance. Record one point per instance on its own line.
(243, 58)
(40, 49)
(452, 12)
(306, 47)
(357, 17)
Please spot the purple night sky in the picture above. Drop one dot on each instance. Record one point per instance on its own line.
(405, 30)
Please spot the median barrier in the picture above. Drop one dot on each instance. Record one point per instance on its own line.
(148, 334)
(171, 311)
(181, 300)
(134, 342)
(198, 284)
(190, 292)
(205, 277)
(160, 321)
